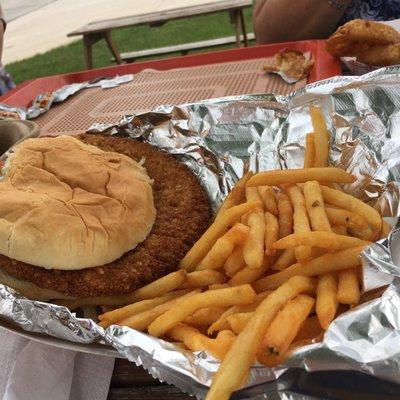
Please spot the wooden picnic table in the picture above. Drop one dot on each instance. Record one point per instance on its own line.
(134, 383)
(99, 30)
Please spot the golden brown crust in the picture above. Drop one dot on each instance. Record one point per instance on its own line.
(292, 63)
(357, 36)
(381, 56)
(182, 216)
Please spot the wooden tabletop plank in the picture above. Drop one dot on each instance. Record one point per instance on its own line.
(163, 16)
(130, 382)
(162, 392)
(127, 373)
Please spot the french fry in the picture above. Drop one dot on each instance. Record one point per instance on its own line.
(223, 297)
(222, 322)
(223, 247)
(283, 330)
(321, 137)
(253, 246)
(236, 196)
(340, 216)
(252, 195)
(248, 275)
(268, 196)
(219, 286)
(339, 230)
(309, 154)
(214, 232)
(142, 320)
(327, 302)
(321, 265)
(348, 287)
(199, 279)
(154, 289)
(280, 177)
(108, 318)
(219, 346)
(286, 259)
(235, 261)
(238, 321)
(235, 367)
(310, 329)
(180, 345)
(271, 233)
(300, 220)
(161, 286)
(355, 222)
(326, 240)
(196, 341)
(315, 207)
(285, 211)
(205, 316)
(348, 202)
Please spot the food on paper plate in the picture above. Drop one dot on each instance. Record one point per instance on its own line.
(277, 265)
(292, 63)
(372, 43)
(91, 220)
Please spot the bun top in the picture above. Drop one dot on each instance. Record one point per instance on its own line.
(67, 205)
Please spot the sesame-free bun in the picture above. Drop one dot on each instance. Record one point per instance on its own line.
(67, 205)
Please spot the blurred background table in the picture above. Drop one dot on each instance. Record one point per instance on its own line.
(98, 30)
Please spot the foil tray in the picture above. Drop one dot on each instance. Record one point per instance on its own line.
(219, 140)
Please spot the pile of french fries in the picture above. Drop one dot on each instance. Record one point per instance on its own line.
(278, 264)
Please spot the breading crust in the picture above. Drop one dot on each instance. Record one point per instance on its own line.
(183, 214)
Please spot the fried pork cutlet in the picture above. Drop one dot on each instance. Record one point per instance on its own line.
(183, 214)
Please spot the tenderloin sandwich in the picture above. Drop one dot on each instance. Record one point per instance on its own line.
(94, 216)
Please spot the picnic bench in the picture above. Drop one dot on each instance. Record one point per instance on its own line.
(99, 30)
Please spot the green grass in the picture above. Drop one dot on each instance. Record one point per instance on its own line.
(69, 58)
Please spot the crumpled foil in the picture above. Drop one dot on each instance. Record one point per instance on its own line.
(219, 140)
(43, 102)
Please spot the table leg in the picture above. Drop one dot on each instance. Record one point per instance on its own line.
(87, 52)
(88, 41)
(236, 17)
(243, 24)
(113, 48)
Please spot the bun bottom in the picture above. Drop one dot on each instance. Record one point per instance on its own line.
(30, 290)
(33, 292)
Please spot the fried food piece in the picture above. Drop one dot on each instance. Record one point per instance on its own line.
(283, 329)
(357, 36)
(182, 216)
(292, 63)
(327, 302)
(381, 56)
(309, 153)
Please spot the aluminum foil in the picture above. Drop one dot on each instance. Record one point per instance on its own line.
(219, 140)
(43, 101)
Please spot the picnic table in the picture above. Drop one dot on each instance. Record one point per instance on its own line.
(101, 30)
(134, 383)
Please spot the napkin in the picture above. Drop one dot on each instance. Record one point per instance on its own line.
(37, 371)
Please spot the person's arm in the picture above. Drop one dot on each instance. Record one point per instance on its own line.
(286, 20)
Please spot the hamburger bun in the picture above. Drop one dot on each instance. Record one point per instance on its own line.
(68, 205)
